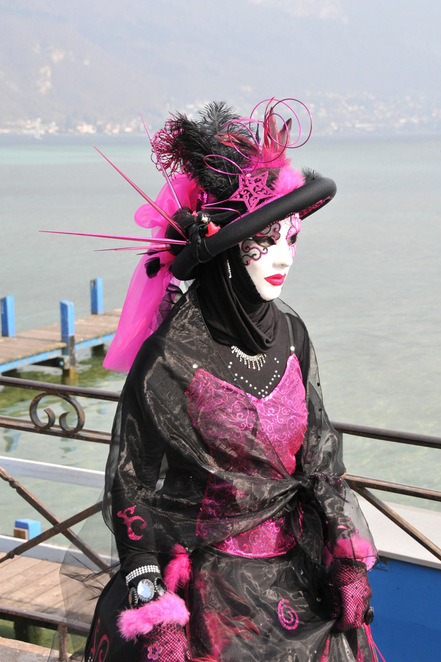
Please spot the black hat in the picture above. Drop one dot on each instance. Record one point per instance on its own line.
(244, 178)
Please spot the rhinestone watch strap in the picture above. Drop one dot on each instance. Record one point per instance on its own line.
(142, 570)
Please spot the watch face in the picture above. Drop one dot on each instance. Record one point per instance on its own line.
(145, 590)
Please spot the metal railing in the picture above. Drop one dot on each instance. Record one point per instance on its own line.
(59, 428)
(62, 428)
(363, 485)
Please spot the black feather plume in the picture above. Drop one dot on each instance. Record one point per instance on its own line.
(309, 174)
(152, 267)
(202, 149)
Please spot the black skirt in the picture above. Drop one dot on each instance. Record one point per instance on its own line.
(241, 610)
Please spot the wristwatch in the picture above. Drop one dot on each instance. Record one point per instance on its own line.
(145, 591)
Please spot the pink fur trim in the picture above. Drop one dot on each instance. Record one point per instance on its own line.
(288, 180)
(178, 571)
(169, 608)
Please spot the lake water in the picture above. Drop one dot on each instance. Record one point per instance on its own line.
(366, 280)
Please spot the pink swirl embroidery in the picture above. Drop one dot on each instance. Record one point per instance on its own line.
(243, 431)
(287, 616)
(271, 538)
(257, 437)
(99, 654)
(128, 521)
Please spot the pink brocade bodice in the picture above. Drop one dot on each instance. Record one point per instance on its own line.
(250, 435)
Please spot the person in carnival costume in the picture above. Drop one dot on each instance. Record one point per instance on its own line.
(238, 538)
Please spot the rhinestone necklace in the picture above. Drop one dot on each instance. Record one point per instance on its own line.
(257, 391)
(253, 362)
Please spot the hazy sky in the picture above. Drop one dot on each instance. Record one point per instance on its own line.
(144, 54)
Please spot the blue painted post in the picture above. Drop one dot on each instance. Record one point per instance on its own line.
(8, 316)
(67, 312)
(96, 296)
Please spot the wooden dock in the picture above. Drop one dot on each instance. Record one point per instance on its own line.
(45, 345)
(18, 651)
(32, 587)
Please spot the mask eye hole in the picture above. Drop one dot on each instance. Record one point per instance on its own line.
(264, 241)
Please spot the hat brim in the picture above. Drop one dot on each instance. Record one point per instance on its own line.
(304, 201)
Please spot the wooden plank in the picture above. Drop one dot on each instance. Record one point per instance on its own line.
(20, 651)
(80, 608)
(27, 579)
(10, 568)
(32, 585)
(38, 335)
(27, 588)
(26, 349)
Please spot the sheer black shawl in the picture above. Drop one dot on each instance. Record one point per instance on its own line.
(153, 435)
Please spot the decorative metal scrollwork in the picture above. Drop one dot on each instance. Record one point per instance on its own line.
(51, 417)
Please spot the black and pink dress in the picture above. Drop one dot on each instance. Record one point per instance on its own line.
(249, 486)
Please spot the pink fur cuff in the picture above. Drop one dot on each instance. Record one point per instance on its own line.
(169, 608)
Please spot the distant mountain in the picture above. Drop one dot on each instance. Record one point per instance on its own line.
(105, 61)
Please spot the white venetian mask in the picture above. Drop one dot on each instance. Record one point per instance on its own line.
(268, 256)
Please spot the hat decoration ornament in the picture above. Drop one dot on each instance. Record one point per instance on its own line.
(227, 178)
